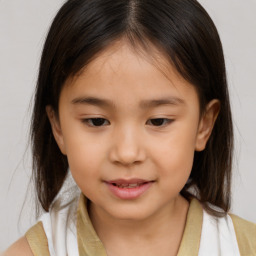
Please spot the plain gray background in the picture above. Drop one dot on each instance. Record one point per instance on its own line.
(23, 26)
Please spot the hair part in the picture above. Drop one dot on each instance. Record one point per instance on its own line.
(184, 32)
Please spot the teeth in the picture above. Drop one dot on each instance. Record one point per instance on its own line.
(133, 185)
(128, 185)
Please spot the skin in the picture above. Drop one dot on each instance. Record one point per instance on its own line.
(20, 247)
(150, 127)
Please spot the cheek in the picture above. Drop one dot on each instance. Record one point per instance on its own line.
(84, 157)
(175, 169)
(175, 156)
(85, 169)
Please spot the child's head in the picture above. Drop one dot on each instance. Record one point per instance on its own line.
(179, 40)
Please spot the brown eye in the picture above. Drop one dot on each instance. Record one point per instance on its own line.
(159, 121)
(96, 122)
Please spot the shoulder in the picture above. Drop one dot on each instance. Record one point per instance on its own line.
(34, 243)
(246, 235)
(21, 248)
(244, 225)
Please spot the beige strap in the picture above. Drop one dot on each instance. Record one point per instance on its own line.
(246, 235)
(192, 234)
(89, 243)
(37, 240)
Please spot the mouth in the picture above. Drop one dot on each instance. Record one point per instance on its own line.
(129, 189)
(129, 185)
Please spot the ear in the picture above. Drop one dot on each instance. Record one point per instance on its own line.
(207, 123)
(56, 129)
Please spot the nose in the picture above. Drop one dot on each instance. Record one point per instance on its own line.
(127, 147)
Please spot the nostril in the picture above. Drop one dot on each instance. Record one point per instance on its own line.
(127, 152)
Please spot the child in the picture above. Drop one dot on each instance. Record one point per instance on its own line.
(132, 100)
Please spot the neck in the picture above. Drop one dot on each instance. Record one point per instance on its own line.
(163, 227)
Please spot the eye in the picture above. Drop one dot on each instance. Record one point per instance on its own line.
(159, 121)
(96, 122)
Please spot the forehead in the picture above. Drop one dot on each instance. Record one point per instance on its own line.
(128, 73)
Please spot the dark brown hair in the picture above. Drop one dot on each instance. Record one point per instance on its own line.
(183, 30)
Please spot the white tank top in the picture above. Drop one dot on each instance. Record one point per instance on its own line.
(218, 236)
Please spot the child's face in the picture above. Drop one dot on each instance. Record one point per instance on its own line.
(124, 121)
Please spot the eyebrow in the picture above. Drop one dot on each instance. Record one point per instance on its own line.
(143, 104)
(93, 101)
(163, 101)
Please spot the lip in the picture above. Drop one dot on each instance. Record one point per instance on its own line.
(121, 189)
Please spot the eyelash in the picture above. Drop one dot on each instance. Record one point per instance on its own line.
(99, 122)
(91, 122)
(163, 121)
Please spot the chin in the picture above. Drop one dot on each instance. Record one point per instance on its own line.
(132, 213)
